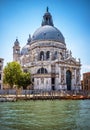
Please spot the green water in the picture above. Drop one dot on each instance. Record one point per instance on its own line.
(45, 115)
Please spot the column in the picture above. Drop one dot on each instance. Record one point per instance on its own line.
(65, 78)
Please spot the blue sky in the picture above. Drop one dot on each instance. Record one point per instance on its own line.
(19, 18)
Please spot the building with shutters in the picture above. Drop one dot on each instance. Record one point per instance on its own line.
(86, 81)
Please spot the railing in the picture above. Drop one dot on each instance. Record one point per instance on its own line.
(43, 92)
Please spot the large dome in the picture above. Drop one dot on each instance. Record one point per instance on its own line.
(48, 32)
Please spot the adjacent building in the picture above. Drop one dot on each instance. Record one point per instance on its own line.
(1, 73)
(86, 81)
(46, 56)
(82, 85)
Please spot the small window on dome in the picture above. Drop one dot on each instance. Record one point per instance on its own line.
(58, 35)
(44, 34)
(46, 18)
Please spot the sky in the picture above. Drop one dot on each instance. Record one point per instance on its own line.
(19, 18)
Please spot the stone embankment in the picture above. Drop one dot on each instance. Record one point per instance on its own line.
(12, 95)
(43, 97)
(7, 99)
(37, 97)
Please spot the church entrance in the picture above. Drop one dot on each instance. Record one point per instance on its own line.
(68, 79)
(53, 87)
(53, 83)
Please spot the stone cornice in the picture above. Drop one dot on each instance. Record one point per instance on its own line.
(54, 44)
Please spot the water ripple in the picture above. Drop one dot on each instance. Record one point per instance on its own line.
(45, 115)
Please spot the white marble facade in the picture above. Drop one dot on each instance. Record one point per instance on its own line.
(46, 56)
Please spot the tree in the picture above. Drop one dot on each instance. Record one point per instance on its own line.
(24, 80)
(12, 72)
(13, 75)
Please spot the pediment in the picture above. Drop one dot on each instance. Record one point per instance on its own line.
(71, 61)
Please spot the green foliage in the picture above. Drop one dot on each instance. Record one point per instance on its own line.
(13, 75)
(24, 80)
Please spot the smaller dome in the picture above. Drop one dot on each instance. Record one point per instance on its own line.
(25, 50)
(29, 39)
(16, 43)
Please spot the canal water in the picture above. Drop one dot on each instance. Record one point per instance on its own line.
(45, 115)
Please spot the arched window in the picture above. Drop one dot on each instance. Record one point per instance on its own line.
(61, 55)
(45, 70)
(42, 71)
(68, 79)
(55, 55)
(39, 71)
(41, 55)
(32, 79)
(47, 55)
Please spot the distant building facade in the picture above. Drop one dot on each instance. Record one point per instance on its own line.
(1, 73)
(82, 84)
(46, 56)
(86, 81)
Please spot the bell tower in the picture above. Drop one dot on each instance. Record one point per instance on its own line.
(16, 51)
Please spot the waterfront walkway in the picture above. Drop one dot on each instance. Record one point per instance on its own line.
(13, 95)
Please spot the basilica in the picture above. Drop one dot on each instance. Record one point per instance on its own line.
(47, 58)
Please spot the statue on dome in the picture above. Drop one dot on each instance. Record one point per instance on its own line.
(47, 9)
